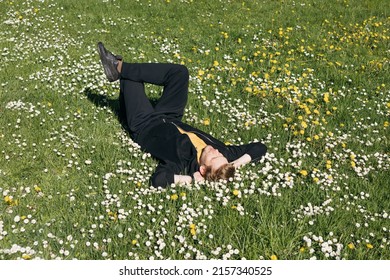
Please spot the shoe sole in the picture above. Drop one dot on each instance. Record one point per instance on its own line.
(107, 69)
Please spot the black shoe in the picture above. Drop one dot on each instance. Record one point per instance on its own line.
(110, 63)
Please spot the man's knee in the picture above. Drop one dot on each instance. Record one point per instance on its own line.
(183, 70)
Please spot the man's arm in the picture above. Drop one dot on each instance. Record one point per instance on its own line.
(244, 154)
(163, 175)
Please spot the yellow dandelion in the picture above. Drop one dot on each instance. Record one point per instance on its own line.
(192, 229)
(206, 121)
(316, 122)
(7, 199)
(326, 97)
(10, 201)
(351, 246)
(174, 197)
(310, 100)
(134, 241)
(369, 246)
(215, 63)
(302, 249)
(303, 173)
(274, 257)
(249, 89)
(225, 35)
(26, 257)
(236, 192)
(37, 189)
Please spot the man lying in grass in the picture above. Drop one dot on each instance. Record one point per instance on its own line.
(184, 152)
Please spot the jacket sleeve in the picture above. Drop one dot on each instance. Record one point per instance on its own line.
(163, 175)
(255, 150)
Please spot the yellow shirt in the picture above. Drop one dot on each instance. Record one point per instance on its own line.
(196, 141)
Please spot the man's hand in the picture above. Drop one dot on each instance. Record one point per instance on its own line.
(198, 177)
(242, 161)
(182, 179)
(185, 179)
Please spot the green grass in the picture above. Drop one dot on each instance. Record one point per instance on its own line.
(310, 79)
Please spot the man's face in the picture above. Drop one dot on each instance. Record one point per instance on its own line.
(212, 157)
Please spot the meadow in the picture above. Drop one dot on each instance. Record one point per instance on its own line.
(308, 78)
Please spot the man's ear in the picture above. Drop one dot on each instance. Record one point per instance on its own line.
(202, 170)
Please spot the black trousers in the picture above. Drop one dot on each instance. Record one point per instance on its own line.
(136, 108)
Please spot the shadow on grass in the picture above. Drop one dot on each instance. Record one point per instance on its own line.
(115, 105)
